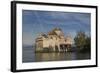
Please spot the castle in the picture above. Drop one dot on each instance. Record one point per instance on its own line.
(53, 41)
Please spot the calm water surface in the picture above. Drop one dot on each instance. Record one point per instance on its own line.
(30, 56)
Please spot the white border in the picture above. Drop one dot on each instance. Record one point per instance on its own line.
(36, 65)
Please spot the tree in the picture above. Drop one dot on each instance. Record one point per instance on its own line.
(83, 42)
(80, 40)
(87, 46)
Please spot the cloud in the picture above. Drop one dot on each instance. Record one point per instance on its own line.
(35, 22)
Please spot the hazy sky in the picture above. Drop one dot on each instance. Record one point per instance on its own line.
(35, 22)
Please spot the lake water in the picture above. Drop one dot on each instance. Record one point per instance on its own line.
(30, 56)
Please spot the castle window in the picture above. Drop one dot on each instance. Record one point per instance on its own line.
(51, 38)
(56, 38)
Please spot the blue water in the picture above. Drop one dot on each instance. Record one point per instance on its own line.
(30, 56)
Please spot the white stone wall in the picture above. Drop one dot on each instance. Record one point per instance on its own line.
(55, 40)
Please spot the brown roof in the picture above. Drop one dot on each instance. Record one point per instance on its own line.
(53, 31)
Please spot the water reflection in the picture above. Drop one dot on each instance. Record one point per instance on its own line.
(60, 56)
(30, 56)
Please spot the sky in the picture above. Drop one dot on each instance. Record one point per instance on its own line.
(35, 22)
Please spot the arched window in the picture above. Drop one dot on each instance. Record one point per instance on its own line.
(51, 38)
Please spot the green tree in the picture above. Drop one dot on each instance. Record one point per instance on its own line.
(80, 40)
(83, 42)
(87, 46)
